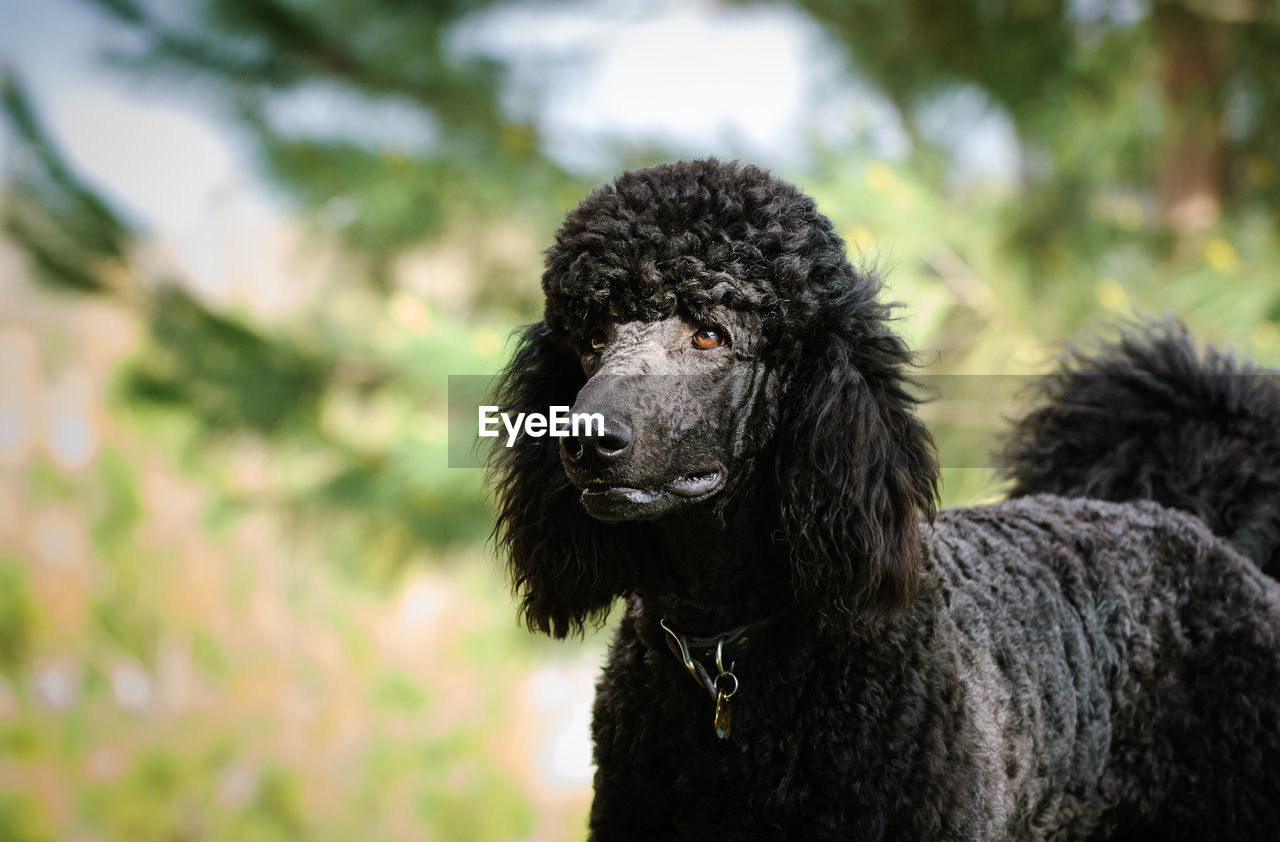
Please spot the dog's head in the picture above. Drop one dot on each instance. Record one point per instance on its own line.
(709, 333)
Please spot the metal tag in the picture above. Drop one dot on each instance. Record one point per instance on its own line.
(724, 717)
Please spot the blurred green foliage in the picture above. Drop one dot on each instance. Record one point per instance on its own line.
(62, 225)
(230, 376)
(17, 614)
(162, 683)
(175, 664)
(1171, 104)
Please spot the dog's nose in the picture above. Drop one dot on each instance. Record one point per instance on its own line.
(610, 445)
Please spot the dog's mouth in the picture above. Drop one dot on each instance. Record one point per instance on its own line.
(623, 502)
(695, 485)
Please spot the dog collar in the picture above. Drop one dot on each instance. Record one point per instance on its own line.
(721, 652)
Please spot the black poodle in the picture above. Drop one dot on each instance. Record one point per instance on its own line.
(808, 653)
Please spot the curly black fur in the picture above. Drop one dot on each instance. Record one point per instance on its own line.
(699, 239)
(1046, 668)
(555, 548)
(1150, 418)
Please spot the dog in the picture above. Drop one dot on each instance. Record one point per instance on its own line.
(809, 649)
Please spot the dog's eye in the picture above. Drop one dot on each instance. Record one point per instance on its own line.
(597, 340)
(707, 338)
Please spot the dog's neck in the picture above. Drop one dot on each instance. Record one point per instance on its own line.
(720, 569)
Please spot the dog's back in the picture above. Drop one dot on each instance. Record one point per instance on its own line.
(1070, 669)
(1122, 664)
(1151, 418)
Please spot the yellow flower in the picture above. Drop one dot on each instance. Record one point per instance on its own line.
(1265, 335)
(880, 178)
(1111, 295)
(1220, 254)
(859, 238)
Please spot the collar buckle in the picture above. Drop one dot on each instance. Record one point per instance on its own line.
(724, 684)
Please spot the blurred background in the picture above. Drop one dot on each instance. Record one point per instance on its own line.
(242, 594)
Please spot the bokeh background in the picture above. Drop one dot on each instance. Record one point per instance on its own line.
(242, 595)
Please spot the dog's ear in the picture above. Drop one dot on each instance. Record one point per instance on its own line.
(856, 471)
(565, 566)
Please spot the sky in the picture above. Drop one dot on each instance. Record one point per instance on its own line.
(166, 162)
(681, 76)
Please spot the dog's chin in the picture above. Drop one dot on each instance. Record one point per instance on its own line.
(624, 502)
